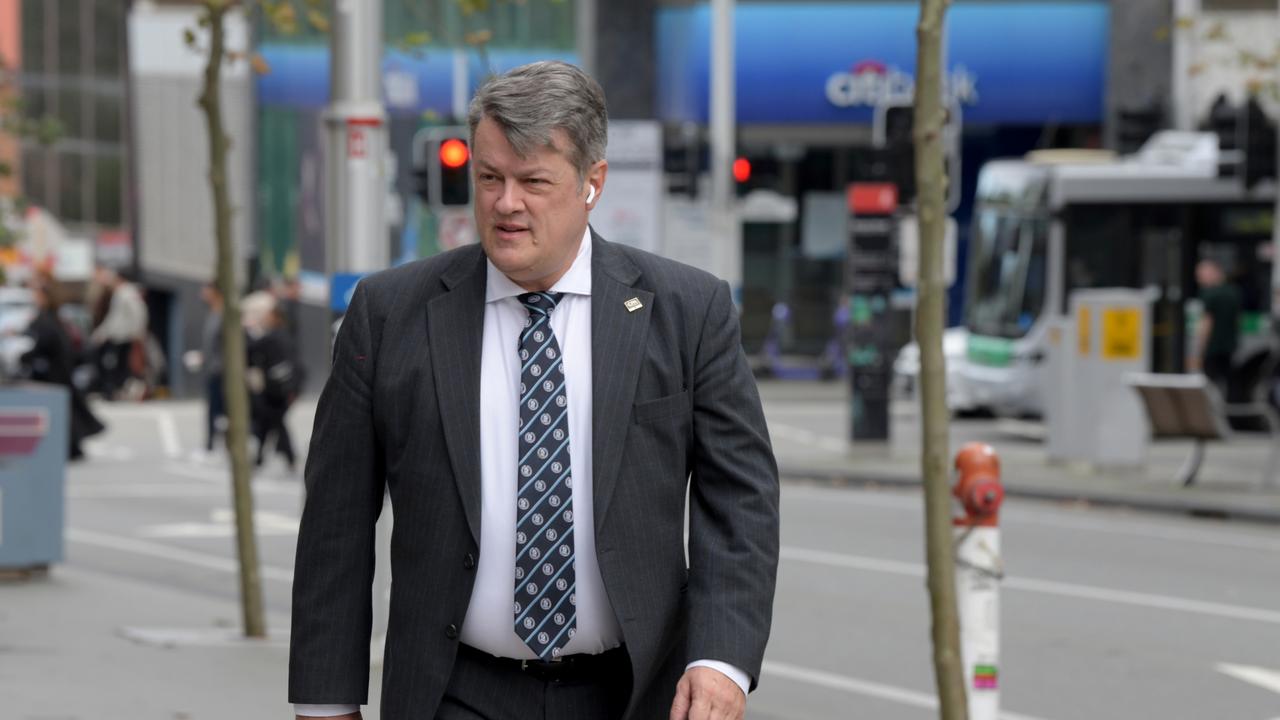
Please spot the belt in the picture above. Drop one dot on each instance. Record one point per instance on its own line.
(568, 668)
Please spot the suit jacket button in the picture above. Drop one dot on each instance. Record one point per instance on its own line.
(451, 632)
(469, 561)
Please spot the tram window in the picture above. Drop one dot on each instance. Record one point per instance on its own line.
(1100, 248)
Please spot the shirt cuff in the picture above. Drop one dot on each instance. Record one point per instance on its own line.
(739, 677)
(325, 710)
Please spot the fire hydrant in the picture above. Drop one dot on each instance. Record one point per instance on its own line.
(979, 569)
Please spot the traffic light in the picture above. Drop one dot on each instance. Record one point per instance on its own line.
(442, 166)
(1259, 145)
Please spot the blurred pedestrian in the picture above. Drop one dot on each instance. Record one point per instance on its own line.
(276, 377)
(51, 359)
(1218, 333)
(121, 336)
(211, 355)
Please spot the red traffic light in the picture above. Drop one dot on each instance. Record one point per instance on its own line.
(742, 169)
(454, 153)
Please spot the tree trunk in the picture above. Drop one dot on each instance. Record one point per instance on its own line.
(931, 181)
(233, 344)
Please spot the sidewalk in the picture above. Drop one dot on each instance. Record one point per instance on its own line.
(82, 645)
(808, 424)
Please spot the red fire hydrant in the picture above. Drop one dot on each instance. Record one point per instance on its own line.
(979, 569)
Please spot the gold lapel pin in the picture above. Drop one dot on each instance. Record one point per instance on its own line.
(633, 304)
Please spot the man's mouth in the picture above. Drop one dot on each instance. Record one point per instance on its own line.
(510, 228)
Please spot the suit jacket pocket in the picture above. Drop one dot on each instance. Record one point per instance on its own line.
(663, 407)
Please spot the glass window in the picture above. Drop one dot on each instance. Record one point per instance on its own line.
(67, 20)
(108, 38)
(71, 112)
(1101, 251)
(35, 175)
(33, 17)
(70, 205)
(108, 180)
(107, 119)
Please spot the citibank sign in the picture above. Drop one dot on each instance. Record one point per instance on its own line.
(871, 83)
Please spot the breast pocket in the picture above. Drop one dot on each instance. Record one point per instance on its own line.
(664, 407)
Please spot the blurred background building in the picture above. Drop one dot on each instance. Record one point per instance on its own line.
(1022, 75)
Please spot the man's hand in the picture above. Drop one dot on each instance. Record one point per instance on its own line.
(707, 694)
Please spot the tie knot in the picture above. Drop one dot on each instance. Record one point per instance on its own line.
(540, 302)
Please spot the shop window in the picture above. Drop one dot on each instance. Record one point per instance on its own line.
(70, 110)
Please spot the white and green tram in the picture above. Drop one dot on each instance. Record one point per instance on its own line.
(1060, 221)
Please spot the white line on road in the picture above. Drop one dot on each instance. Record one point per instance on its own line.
(843, 683)
(1262, 677)
(164, 552)
(1021, 515)
(1046, 587)
(144, 490)
(168, 433)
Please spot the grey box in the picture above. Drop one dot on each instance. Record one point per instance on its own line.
(33, 463)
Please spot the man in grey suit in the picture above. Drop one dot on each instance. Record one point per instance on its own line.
(544, 409)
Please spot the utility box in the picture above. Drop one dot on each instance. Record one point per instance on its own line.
(33, 454)
(1093, 416)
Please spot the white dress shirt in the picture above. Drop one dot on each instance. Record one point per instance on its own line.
(489, 621)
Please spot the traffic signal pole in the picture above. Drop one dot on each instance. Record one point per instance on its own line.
(355, 221)
(725, 226)
(356, 123)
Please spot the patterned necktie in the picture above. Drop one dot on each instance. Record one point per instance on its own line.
(544, 585)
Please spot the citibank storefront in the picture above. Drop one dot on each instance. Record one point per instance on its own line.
(809, 78)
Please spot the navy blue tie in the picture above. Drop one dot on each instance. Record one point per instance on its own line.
(545, 611)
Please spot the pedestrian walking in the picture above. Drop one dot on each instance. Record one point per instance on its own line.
(211, 359)
(277, 379)
(121, 336)
(546, 409)
(1218, 333)
(51, 359)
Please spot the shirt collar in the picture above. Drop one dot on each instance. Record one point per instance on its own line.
(576, 281)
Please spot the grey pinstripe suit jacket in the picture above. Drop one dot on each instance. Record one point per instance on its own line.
(674, 406)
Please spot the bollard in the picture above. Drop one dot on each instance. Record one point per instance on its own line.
(979, 569)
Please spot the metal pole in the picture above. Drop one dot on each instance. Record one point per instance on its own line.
(1183, 58)
(356, 231)
(1275, 215)
(724, 217)
(585, 29)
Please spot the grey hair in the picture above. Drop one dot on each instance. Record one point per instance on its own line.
(532, 101)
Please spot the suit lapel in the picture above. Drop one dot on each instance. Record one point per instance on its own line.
(455, 332)
(617, 347)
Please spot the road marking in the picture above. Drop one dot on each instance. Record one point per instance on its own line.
(222, 525)
(168, 433)
(881, 691)
(808, 438)
(1262, 677)
(144, 490)
(164, 552)
(912, 501)
(1045, 587)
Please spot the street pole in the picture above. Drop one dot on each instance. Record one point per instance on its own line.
(355, 228)
(1184, 49)
(1275, 214)
(726, 230)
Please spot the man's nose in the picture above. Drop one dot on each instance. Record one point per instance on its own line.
(510, 200)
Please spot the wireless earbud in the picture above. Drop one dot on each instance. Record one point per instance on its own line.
(591, 194)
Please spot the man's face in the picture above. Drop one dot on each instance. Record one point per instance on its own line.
(531, 212)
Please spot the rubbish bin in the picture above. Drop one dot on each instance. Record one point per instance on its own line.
(33, 453)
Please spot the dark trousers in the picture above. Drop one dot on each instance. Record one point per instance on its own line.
(1218, 369)
(216, 406)
(113, 366)
(484, 688)
(268, 420)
